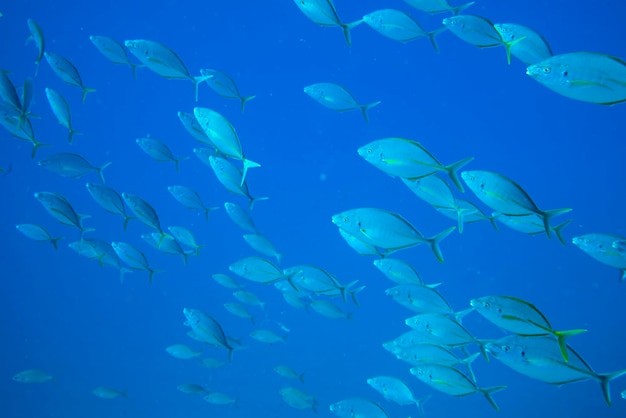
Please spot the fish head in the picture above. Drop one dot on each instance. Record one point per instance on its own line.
(375, 19)
(550, 73)
(583, 242)
(507, 350)
(487, 306)
(372, 153)
(422, 373)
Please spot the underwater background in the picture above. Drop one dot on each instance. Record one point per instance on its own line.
(64, 314)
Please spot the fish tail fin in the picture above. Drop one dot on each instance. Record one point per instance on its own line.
(420, 404)
(152, 272)
(367, 107)
(196, 82)
(255, 199)
(353, 295)
(482, 346)
(244, 100)
(508, 45)
(126, 219)
(460, 218)
(549, 214)
(605, 383)
(55, 242)
(346, 289)
(230, 353)
(246, 165)
(467, 361)
(456, 10)
(86, 90)
(197, 249)
(101, 169)
(561, 336)
(487, 394)
(133, 68)
(71, 134)
(346, 27)
(301, 377)
(434, 242)
(36, 146)
(452, 171)
(492, 221)
(458, 316)
(432, 34)
(558, 231)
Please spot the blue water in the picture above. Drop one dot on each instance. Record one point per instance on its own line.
(64, 314)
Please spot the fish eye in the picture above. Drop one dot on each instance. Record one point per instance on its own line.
(486, 305)
(546, 70)
(499, 310)
(369, 150)
(506, 348)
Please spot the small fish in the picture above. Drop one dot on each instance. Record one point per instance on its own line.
(104, 392)
(185, 237)
(67, 72)
(226, 281)
(523, 43)
(266, 336)
(22, 130)
(32, 376)
(437, 6)
(158, 150)
(61, 110)
(337, 97)
(217, 398)
(109, 200)
(504, 195)
(521, 318)
(133, 257)
(429, 353)
(261, 244)
(62, 210)
(166, 244)
(192, 126)
(208, 329)
(531, 224)
(181, 351)
(163, 61)
(38, 233)
(408, 159)
(231, 178)
(323, 13)
(258, 269)
(398, 271)
(400, 26)
(604, 248)
(225, 86)
(144, 212)
(585, 76)
(298, 399)
(423, 299)
(358, 408)
(36, 35)
(240, 217)
(189, 198)
(248, 298)
(192, 389)
(238, 310)
(223, 135)
(289, 373)
(67, 164)
(114, 51)
(97, 249)
(453, 382)
(395, 390)
(327, 309)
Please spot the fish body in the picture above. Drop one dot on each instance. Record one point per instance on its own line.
(266, 336)
(32, 376)
(143, 211)
(298, 399)
(394, 390)
(240, 217)
(61, 110)
(289, 373)
(358, 408)
(399, 26)
(181, 351)
(59, 207)
(103, 392)
(109, 200)
(114, 51)
(231, 178)
(222, 84)
(226, 281)
(192, 126)
(36, 35)
(185, 237)
(585, 76)
(190, 198)
(329, 310)
(133, 257)
(38, 233)
(337, 97)
(158, 150)
(67, 72)
(323, 13)
(261, 244)
(258, 270)
(71, 165)
(206, 326)
(605, 248)
(524, 43)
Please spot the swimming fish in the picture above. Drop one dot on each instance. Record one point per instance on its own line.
(38, 233)
(222, 84)
(323, 13)
(158, 150)
(604, 248)
(67, 72)
(61, 110)
(400, 26)
(114, 51)
(337, 97)
(109, 200)
(68, 164)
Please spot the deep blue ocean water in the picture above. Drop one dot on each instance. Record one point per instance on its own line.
(64, 314)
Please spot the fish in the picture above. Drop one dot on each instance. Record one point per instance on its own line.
(248, 298)
(358, 408)
(217, 398)
(192, 389)
(429, 353)
(190, 198)
(316, 280)
(68, 164)
(505, 196)
(437, 6)
(423, 299)
(166, 244)
(109, 200)
(36, 35)
(9, 98)
(400, 26)
(211, 363)
(266, 336)
(539, 358)
(240, 217)
(185, 237)
(222, 84)
(521, 318)
(327, 309)
(22, 130)
(208, 328)
(97, 249)
(453, 382)
(298, 399)
(323, 13)
(159, 151)
(133, 257)
(223, 135)
(408, 159)
(337, 97)
(586, 76)
(38, 233)
(238, 310)
(61, 110)
(603, 248)
(226, 281)
(289, 373)
(261, 244)
(163, 61)
(32, 376)
(61, 210)
(192, 126)
(114, 51)
(183, 352)
(260, 270)
(144, 212)
(395, 390)
(104, 392)
(67, 72)
(400, 272)
(531, 224)
(386, 229)
(231, 178)
(532, 46)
